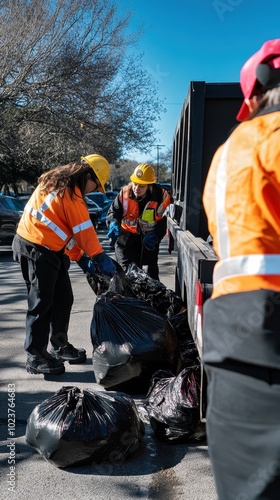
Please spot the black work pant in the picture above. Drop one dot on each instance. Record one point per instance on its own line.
(243, 431)
(49, 296)
(129, 249)
(241, 341)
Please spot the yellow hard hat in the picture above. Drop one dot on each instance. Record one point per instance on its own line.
(101, 168)
(143, 174)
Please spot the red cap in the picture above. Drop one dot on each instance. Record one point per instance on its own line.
(248, 79)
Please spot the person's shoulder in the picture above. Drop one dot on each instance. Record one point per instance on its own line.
(126, 189)
(75, 196)
(160, 191)
(157, 187)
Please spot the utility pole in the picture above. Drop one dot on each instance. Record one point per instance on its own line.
(158, 146)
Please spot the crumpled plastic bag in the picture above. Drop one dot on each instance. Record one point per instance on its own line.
(137, 283)
(130, 342)
(162, 299)
(172, 406)
(77, 427)
(189, 350)
(100, 283)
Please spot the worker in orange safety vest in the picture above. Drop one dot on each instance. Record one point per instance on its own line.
(241, 321)
(54, 227)
(137, 222)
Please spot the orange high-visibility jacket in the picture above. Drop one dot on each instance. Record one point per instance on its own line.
(52, 221)
(131, 210)
(242, 203)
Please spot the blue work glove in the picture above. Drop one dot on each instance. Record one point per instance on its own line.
(104, 264)
(101, 263)
(113, 232)
(150, 240)
(84, 263)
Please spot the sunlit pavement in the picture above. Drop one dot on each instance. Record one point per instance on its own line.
(157, 470)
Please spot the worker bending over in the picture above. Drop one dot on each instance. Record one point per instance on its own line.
(56, 225)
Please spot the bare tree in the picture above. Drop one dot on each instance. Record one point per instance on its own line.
(67, 86)
(121, 172)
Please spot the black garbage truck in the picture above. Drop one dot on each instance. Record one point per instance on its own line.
(208, 115)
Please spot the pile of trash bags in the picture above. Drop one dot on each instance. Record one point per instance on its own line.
(156, 294)
(173, 406)
(130, 335)
(141, 344)
(130, 342)
(75, 427)
(138, 284)
(173, 402)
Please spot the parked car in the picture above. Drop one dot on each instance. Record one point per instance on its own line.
(95, 211)
(9, 218)
(112, 194)
(12, 203)
(98, 197)
(23, 198)
(166, 186)
(105, 211)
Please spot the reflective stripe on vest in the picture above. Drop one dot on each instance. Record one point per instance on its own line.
(39, 215)
(256, 265)
(129, 224)
(241, 265)
(161, 208)
(220, 197)
(82, 227)
(131, 219)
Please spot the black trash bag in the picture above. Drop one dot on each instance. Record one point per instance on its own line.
(142, 283)
(181, 326)
(75, 427)
(188, 348)
(163, 300)
(130, 342)
(172, 405)
(100, 283)
(122, 285)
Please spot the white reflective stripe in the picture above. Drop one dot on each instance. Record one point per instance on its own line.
(220, 196)
(247, 265)
(129, 222)
(160, 210)
(71, 243)
(82, 227)
(47, 222)
(46, 204)
(125, 205)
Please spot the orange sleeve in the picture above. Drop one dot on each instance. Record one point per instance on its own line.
(84, 234)
(74, 253)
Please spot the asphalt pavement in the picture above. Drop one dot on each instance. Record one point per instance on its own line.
(156, 470)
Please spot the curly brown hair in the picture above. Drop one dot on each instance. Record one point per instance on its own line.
(69, 176)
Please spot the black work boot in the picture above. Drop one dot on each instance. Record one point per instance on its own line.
(44, 363)
(69, 353)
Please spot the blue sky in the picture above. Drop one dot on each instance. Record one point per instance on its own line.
(206, 40)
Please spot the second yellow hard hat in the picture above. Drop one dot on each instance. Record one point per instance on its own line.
(143, 174)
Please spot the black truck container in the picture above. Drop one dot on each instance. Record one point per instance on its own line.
(206, 120)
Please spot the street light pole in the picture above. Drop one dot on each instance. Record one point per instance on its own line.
(158, 146)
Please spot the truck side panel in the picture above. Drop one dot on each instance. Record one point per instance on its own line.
(196, 260)
(207, 117)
